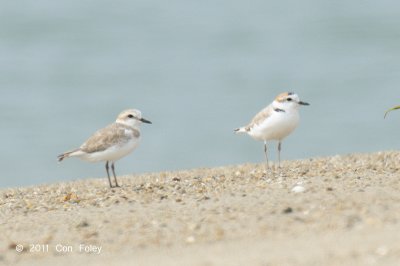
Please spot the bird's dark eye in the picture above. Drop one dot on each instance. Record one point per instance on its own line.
(289, 99)
(130, 116)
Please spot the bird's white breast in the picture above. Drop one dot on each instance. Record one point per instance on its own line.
(277, 126)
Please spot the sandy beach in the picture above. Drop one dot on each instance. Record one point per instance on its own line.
(340, 210)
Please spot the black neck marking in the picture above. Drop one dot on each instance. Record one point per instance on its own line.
(279, 110)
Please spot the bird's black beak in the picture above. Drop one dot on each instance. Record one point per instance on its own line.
(303, 103)
(145, 121)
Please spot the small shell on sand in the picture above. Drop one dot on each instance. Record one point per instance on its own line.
(298, 189)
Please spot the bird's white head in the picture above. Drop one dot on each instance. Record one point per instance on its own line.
(132, 118)
(287, 101)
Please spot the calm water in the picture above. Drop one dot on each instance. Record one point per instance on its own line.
(196, 69)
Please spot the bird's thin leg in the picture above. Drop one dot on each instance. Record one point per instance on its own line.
(266, 155)
(108, 174)
(115, 177)
(279, 153)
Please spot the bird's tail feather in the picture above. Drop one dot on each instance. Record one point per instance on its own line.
(66, 155)
(241, 130)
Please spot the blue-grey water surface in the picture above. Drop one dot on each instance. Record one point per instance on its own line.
(197, 70)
